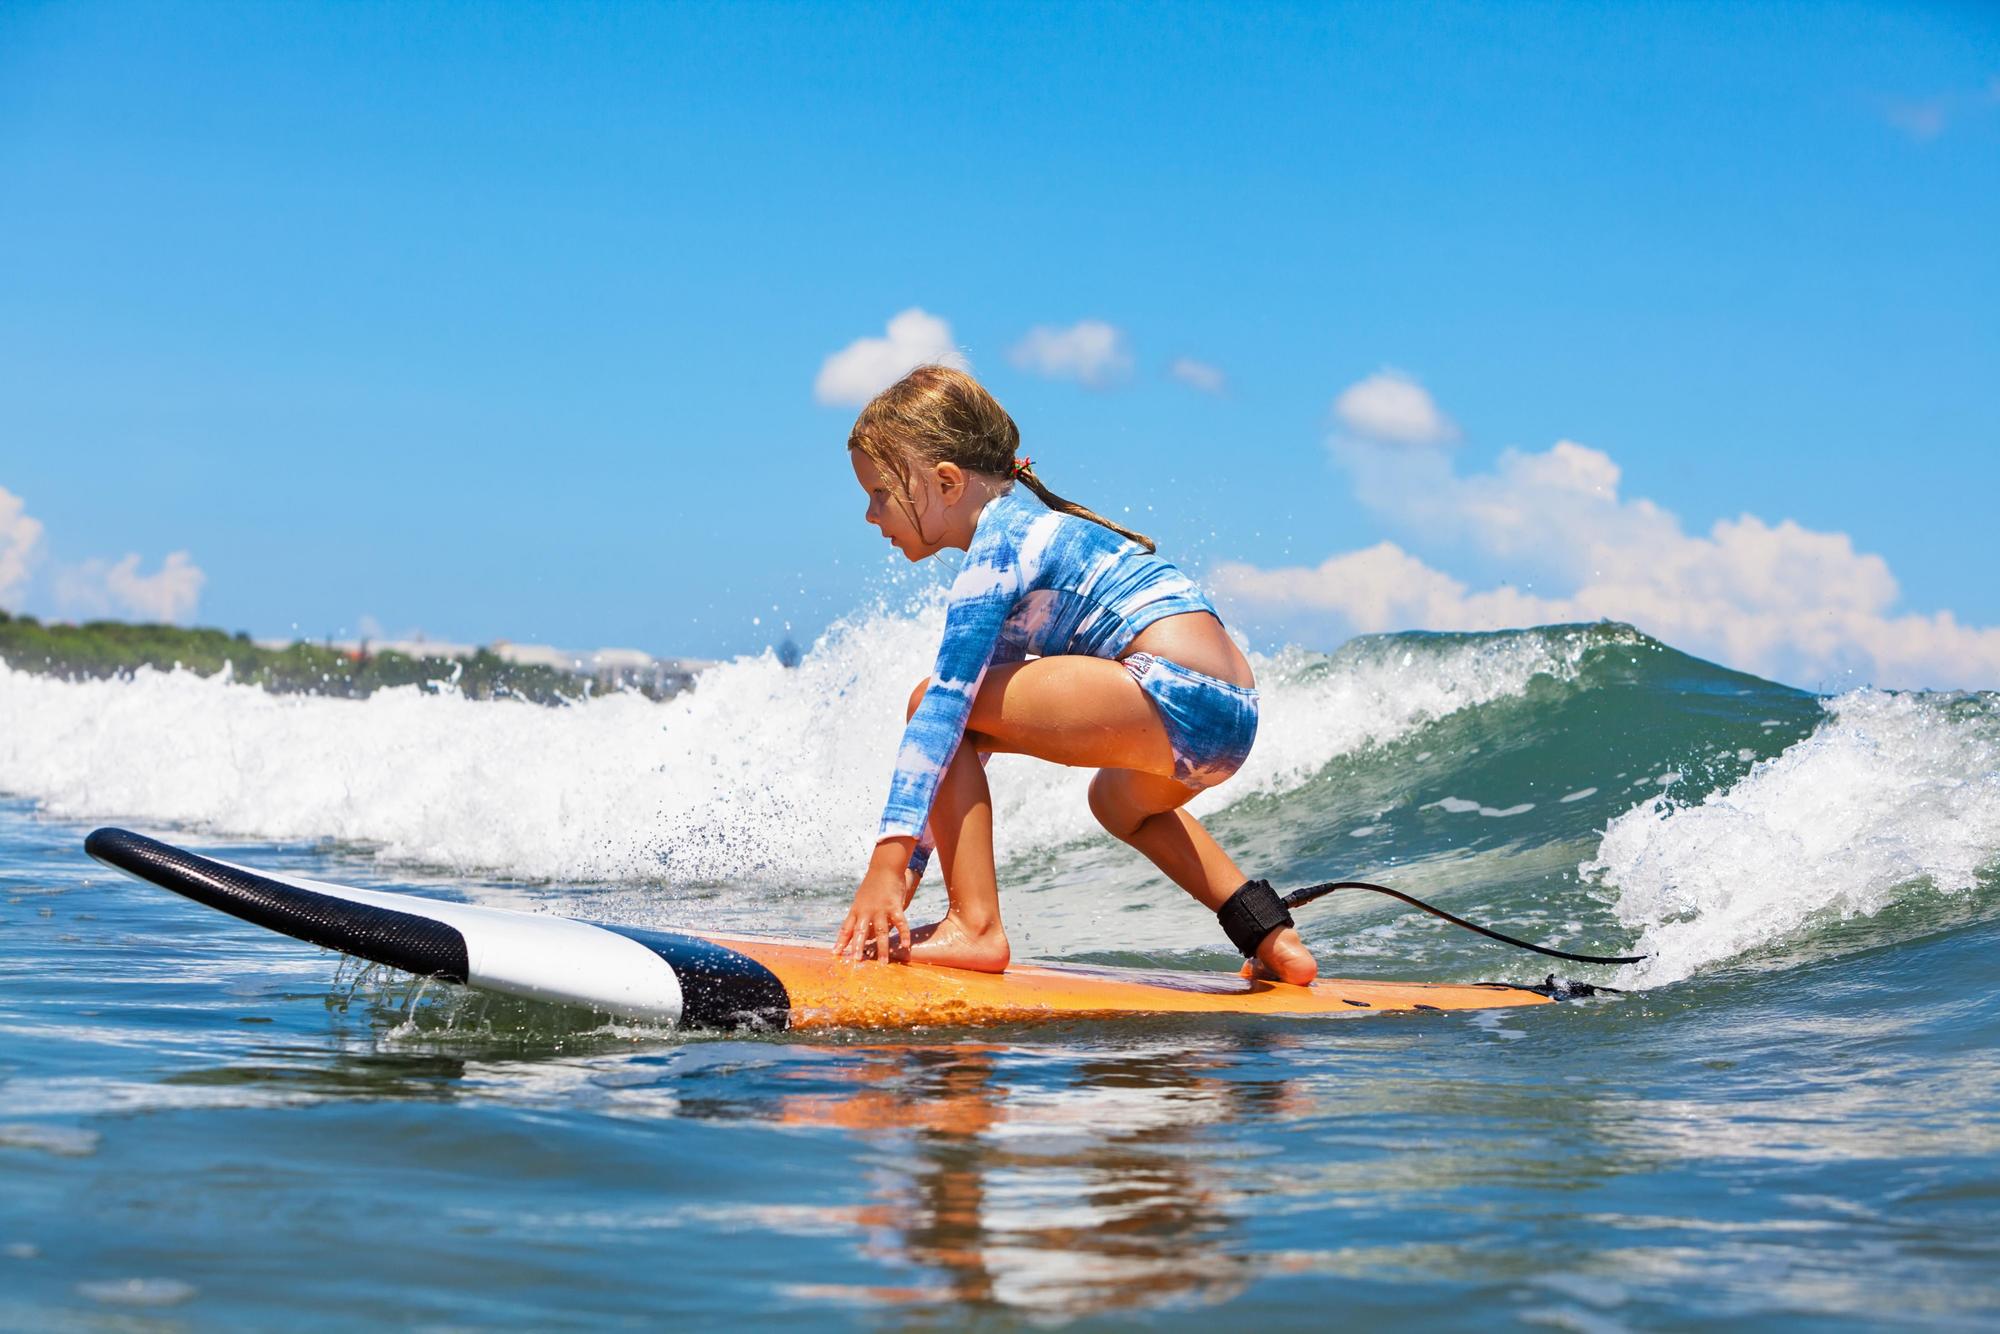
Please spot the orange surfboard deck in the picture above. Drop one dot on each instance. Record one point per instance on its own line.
(827, 992)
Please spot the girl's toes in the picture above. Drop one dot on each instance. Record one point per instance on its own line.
(1284, 957)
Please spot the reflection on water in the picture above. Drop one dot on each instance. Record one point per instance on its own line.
(1000, 1176)
(1044, 1178)
(1091, 1195)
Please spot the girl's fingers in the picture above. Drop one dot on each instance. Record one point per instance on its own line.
(881, 925)
(876, 929)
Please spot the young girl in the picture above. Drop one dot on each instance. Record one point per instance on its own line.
(1131, 674)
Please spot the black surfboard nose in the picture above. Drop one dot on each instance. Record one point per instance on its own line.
(106, 844)
(380, 935)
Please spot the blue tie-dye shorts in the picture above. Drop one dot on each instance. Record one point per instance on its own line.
(1210, 723)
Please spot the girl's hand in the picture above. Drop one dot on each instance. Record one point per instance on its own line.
(879, 904)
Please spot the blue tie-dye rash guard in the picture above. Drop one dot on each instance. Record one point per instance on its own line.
(1034, 582)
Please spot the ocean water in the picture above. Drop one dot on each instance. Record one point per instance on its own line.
(1791, 1119)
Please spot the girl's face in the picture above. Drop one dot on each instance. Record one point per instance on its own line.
(887, 514)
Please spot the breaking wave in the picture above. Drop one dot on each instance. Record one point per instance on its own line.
(1585, 785)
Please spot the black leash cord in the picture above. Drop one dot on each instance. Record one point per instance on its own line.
(1298, 898)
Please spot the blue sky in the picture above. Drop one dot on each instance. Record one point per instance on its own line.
(505, 320)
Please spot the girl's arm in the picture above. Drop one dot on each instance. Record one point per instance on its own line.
(920, 860)
(981, 597)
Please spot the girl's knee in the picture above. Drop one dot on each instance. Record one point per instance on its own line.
(1124, 799)
(1114, 808)
(916, 698)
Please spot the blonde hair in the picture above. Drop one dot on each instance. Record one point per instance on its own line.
(937, 414)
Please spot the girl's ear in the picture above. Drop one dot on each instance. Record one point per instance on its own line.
(951, 481)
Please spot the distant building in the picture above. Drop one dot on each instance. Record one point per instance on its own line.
(610, 668)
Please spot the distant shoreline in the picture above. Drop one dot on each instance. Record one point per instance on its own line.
(96, 650)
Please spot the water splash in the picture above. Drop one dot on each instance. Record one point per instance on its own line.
(1895, 796)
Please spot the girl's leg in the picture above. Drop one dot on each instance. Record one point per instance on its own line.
(1144, 810)
(1085, 712)
(970, 935)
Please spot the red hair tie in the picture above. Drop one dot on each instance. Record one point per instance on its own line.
(1022, 464)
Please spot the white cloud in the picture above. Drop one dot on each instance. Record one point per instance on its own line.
(867, 366)
(1378, 588)
(101, 588)
(1090, 351)
(1780, 599)
(1199, 375)
(20, 537)
(1924, 119)
(1390, 406)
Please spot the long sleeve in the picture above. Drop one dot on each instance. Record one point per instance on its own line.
(920, 856)
(981, 597)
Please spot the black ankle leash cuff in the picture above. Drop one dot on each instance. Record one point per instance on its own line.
(1252, 912)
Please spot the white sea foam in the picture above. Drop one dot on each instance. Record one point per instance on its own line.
(1463, 806)
(758, 774)
(138, 1291)
(1893, 795)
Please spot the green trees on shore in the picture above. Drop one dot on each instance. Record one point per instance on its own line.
(99, 649)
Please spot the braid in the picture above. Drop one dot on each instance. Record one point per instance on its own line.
(1026, 474)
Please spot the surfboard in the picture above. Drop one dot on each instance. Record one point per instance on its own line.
(697, 980)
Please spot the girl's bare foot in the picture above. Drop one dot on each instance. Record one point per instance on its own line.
(954, 945)
(1283, 957)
